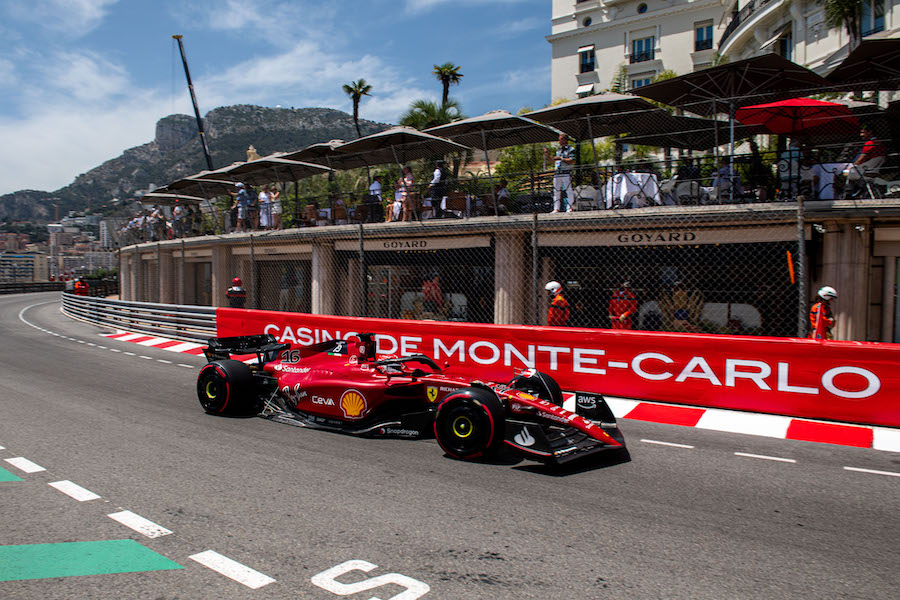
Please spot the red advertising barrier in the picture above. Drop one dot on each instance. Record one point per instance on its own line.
(844, 381)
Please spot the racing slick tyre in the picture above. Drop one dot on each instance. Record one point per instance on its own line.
(538, 384)
(225, 387)
(469, 424)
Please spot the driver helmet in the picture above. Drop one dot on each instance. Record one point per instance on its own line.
(553, 287)
(827, 293)
(236, 282)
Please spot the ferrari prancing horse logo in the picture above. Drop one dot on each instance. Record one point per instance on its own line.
(432, 393)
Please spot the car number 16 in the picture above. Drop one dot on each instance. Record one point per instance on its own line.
(326, 580)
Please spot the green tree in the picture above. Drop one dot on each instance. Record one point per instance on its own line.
(846, 14)
(423, 114)
(447, 73)
(356, 90)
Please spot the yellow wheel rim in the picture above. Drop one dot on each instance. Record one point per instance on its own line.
(210, 390)
(462, 427)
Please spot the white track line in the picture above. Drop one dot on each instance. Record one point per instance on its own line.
(232, 569)
(75, 491)
(153, 341)
(872, 471)
(23, 464)
(764, 457)
(736, 422)
(183, 347)
(139, 524)
(668, 444)
(886, 439)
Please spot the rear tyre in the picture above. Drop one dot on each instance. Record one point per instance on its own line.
(225, 387)
(469, 424)
(539, 384)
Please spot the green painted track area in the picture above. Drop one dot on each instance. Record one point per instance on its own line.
(7, 476)
(73, 559)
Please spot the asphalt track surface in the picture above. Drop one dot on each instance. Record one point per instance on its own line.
(692, 520)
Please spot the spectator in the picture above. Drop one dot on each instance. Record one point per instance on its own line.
(558, 314)
(407, 194)
(253, 211)
(503, 199)
(821, 319)
(433, 298)
(727, 182)
(868, 160)
(178, 218)
(236, 294)
(275, 200)
(242, 204)
(681, 308)
(437, 189)
(265, 207)
(375, 209)
(622, 306)
(562, 173)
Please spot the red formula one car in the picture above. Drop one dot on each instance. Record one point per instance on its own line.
(341, 386)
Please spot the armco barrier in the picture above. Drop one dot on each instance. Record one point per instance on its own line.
(185, 323)
(855, 382)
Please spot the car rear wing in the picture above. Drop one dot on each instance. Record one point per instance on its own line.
(264, 346)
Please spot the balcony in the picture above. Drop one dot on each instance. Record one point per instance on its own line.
(741, 17)
(642, 56)
(700, 45)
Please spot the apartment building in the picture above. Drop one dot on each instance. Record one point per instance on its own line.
(592, 39)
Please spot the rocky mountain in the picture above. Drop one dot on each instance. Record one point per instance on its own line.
(176, 152)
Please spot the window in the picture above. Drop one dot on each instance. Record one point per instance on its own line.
(872, 18)
(586, 58)
(642, 8)
(703, 36)
(587, 22)
(641, 80)
(786, 45)
(643, 49)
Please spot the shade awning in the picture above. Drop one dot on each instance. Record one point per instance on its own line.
(587, 48)
(587, 88)
(496, 129)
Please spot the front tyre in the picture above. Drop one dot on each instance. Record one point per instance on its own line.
(469, 424)
(225, 387)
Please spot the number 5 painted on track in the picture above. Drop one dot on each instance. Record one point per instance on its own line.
(326, 581)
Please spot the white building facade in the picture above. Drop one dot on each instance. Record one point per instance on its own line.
(796, 30)
(593, 39)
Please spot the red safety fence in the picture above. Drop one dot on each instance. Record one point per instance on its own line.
(843, 381)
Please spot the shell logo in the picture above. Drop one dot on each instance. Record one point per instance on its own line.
(353, 404)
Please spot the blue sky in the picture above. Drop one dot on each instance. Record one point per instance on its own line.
(82, 80)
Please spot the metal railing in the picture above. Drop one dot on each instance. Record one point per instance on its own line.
(185, 323)
(32, 286)
(741, 16)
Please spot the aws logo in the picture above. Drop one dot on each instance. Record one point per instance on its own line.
(353, 404)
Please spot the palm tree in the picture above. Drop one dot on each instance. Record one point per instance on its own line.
(847, 14)
(356, 90)
(423, 114)
(447, 73)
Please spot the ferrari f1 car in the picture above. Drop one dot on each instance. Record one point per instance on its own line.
(340, 385)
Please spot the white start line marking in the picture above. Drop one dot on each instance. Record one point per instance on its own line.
(139, 524)
(872, 471)
(23, 464)
(764, 457)
(74, 490)
(673, 445)
(232, 569)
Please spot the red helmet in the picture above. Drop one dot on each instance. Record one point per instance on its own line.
(237, 282)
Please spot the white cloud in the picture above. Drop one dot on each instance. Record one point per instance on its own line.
(420, 6)
(311, 75)
(274, 21)
(84, 76)
(61, 141)
(73, 17)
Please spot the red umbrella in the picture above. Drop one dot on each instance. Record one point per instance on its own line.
(796, 115)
